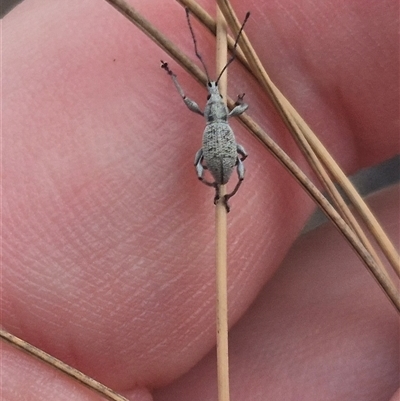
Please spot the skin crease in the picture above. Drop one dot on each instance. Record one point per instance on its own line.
(108, 237)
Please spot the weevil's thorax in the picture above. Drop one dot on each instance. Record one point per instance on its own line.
(215, 110)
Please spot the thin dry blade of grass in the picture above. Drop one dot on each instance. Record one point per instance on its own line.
(75, 374)
(221, 232)
(316, 152)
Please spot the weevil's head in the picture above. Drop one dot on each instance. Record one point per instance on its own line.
(213, 91)
(215, 110)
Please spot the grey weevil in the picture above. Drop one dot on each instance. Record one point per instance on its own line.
(220, 152)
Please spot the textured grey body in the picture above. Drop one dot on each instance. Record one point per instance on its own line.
(220, 152)
(219, 144)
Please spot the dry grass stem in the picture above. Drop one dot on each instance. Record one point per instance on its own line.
(381, 275)
(63, 367)
(341, 205)
(300, 130)
(221, 239)
(305, 138)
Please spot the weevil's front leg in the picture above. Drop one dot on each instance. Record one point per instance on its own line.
(191, 104)
(240, 171)
(240, 107)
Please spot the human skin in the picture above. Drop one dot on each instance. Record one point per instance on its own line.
(108, 238)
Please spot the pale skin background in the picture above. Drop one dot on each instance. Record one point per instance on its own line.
(108, 237)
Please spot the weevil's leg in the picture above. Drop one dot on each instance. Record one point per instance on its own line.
(198, 157)
(240, 107)
(241, 151)
(217, 195)
(198, 163)
(240, 171)
(239, 100)
(191, 104)
(200, 169)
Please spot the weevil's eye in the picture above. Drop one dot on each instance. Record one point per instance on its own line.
(209, 84)
(208, 97)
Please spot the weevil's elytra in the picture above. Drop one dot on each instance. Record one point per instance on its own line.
(220, 153)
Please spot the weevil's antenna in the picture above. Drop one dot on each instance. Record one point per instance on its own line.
(195, 44)
(234, 46)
